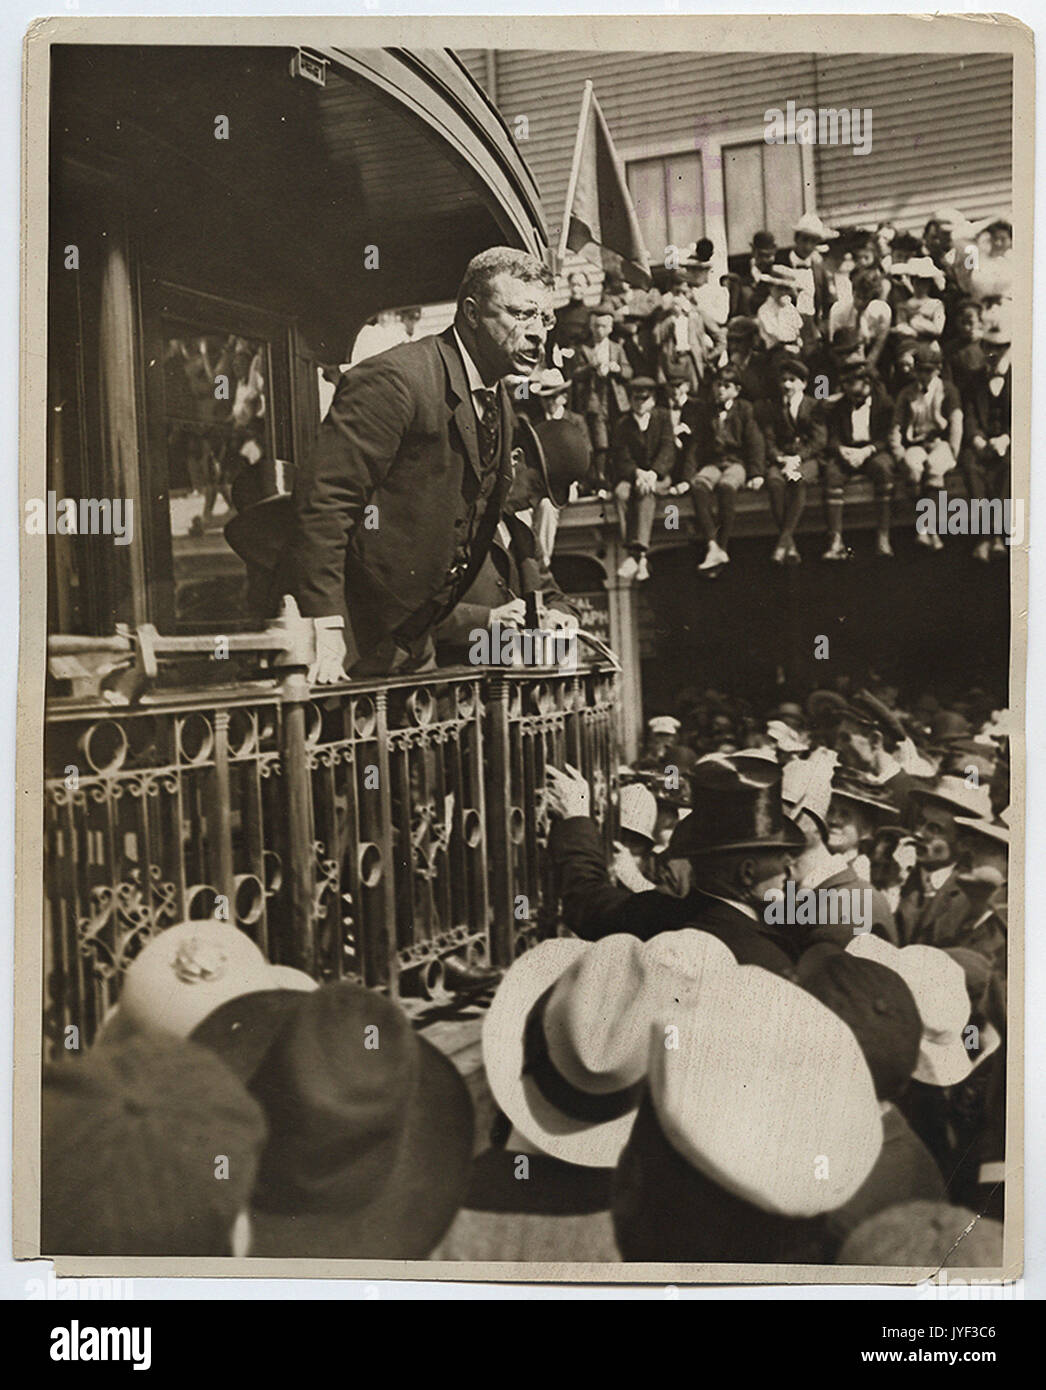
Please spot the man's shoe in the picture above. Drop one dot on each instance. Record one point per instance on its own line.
(792, 556)
(461, 978)
(883, 546)
(629, 568)
(983, 552)
(998, 546)
(836, 550)
(925, 538)
(716, 557)
(935, 541)
(780, 554)
(643, 571)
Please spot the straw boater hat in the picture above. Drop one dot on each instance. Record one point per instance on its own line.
(806, 785)
(664, 724)
(959, 797)
(762, 1057)
(938, 986)
(811, 225)
(566, 1039)
(996, 830)
(188, 970)
(919, 268)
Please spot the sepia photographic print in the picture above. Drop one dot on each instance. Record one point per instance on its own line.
(524, 538)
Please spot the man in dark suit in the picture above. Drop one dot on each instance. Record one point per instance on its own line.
(737, 839)
(398, 503)
(934, 909)
(859, 424)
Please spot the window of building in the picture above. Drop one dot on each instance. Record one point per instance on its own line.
(668, 193)
(762, 192)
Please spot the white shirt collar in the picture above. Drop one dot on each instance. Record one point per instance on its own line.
(643, 421)
(938, 877)
(472, 373)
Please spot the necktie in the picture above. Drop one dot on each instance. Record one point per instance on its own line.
(488, 428)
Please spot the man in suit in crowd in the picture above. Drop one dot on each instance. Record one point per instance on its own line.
(934, 909)
(398, 503)
(740, 845)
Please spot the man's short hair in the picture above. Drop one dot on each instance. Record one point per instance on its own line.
(501, 260)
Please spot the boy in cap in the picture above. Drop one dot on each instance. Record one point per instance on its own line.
(132, 1139)
(859, 425)
(730, 455)
(750, 288)
(744, 351)
(986, 397)
(927, 434)
(795, 434)
(598, 379)
(642, 457)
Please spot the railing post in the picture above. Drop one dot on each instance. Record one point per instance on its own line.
(499, 808)
(389, 973)
(301, 868)
(219, 822)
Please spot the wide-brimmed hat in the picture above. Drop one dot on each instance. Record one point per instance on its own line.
(996, 830)
(868, 796)
(566, 1040)
(664, 724)
(549, 382)
(734, 808)
(957, 794)
(761, 1056)
(811, 225)
(919, 268)
(938, 986)
(188, 970)
(370, 1126)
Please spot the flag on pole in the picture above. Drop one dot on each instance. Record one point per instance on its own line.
(599, 209)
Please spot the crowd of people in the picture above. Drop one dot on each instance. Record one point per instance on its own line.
(851, 353)
(694, 1069)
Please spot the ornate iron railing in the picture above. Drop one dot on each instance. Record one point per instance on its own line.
(364, 833)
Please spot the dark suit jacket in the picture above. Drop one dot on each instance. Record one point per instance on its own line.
(935, 921)
(593, 907)
(737, 438)
(401, 434)
(840, 422)
(507, 573)
(592, 392)
(632, 448)
(806, 435)
(980, 408)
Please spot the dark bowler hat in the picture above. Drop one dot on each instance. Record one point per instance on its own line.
(794, 367)
(261, 535)
(370, 1126)
(734, 809)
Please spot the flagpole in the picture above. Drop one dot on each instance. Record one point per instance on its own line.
(575, 169)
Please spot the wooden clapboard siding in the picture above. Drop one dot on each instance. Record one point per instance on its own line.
(941, 136)
(652, 101)
(941, 124)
